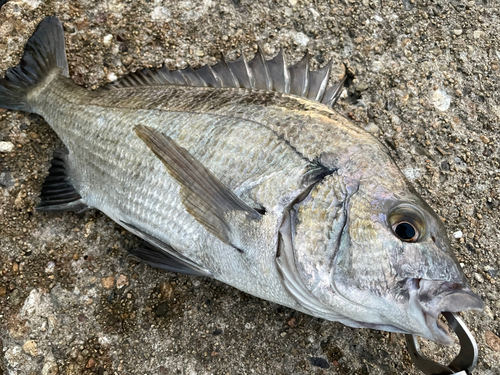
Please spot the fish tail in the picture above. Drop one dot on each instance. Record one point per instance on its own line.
(44, 57)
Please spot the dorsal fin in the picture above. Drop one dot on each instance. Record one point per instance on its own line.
(257, 74)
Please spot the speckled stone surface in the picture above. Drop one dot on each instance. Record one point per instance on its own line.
(426, 84)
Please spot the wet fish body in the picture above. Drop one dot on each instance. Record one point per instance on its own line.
(239, 173)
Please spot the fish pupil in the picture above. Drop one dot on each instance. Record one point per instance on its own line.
(405, 231)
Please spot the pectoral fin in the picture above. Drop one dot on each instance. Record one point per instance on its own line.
(203, 195)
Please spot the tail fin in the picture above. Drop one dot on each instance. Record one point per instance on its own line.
(43, 53)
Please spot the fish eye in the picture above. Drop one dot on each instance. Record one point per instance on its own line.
(407, 223)
(405, 231)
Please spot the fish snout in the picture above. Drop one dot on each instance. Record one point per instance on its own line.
(436, 297)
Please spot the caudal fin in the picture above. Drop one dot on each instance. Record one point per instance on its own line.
(43, 53)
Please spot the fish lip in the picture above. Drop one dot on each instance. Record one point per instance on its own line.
(435, 297)
(439, 331)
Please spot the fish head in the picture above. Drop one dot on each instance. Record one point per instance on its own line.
(376, 259)
(429, 277)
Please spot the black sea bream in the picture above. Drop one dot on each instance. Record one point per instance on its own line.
(243, 172)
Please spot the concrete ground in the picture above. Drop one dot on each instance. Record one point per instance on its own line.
(426, 84)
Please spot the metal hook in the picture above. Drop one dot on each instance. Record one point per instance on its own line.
(464, 362)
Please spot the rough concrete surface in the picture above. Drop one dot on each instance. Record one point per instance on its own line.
(426, 84)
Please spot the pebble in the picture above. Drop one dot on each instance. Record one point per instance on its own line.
(301, 39)
(50, 368)
(372, 128)
(90, 363)
(411, 173)
(441, 100)
(362, 86)
(89, 227)
(127, 60)
(479, 34)
(458, 234)
(492, 296)
(319, 362)
(121, 281)
(485, 139)
(488, 312)
(50, 267)
(107, 39)
(492, 340)
(34, 135)
(52, 322)
(166, 290)
(6, 146)
(162, 309)
(478, 277)
(108, 282)
(6, 180)
(15, 297)
(30, 347)
(111, 77)
(458, 32)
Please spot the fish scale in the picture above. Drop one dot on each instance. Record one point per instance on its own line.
(160, 208)
(270, 192)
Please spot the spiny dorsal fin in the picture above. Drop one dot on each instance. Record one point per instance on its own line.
(257, 74)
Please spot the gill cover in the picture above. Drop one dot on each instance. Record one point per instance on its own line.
(305, 257)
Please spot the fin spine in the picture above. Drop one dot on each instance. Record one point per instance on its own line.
(256, 74)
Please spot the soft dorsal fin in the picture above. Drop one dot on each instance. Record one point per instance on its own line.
(256, 74)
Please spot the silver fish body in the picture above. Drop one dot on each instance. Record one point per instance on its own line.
(270, 192)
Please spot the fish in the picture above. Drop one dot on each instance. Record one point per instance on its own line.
(244, 172)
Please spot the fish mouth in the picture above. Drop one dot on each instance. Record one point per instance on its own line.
(435, 297)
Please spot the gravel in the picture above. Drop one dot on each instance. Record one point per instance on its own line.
(426, 84)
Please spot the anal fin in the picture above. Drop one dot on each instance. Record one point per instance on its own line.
(160, 255)
(58, 194)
